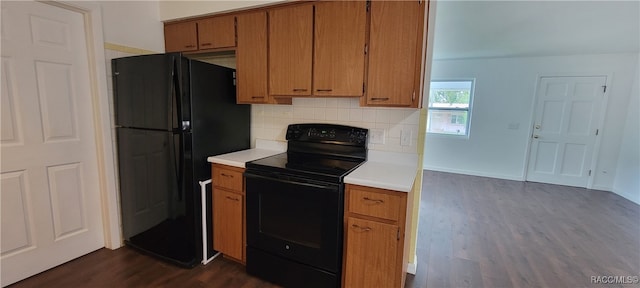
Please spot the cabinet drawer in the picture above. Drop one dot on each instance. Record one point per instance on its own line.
(375, 204)
(227, 178)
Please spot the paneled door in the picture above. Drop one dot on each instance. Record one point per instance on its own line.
(51, 211)
(566, 119)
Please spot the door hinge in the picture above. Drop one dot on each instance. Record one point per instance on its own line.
(362, 88)
(597, 131)
(604, 88)
(366, 49)
(368, 5)
(398, 234)
(413, 97)
(589, 172)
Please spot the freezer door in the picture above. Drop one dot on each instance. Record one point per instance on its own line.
(145, 90)
(158, 211)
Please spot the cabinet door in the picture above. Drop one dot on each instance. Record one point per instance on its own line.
(338, 62)
(396, 27)
(217, 32)
(227, 223)
(179, 37)
(251, 58)
(290, 50)
(371, 253)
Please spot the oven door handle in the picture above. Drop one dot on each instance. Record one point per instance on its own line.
(298, 181)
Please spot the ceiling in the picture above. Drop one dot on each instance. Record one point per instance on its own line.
(486, 29)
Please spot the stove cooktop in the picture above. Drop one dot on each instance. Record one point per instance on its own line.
(325, 152)
(309, 166)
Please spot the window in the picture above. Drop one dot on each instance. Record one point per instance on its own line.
(450, 107)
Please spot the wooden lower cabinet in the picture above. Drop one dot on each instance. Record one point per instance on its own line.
(376, 237)
(228, 211)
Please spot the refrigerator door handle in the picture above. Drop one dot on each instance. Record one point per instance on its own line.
(181, 167)
(178, 163)
(176, 98)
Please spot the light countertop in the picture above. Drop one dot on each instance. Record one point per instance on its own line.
(264, 148)
(386, 170)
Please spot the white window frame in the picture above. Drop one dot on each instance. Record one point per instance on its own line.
(468, 110)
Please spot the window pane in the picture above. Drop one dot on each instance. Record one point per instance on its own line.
(450, 94)
(449, 107)
(447, 122)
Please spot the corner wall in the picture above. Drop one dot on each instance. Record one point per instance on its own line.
(133, 24)
(627, 180)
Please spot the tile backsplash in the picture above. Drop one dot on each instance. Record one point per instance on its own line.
(270, 121)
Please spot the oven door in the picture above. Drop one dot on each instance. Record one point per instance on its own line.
(298, 219)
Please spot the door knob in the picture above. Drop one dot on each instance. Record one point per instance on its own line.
(536, 136)
(537, 126)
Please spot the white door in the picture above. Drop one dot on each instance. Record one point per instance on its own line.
(567, 114)
(50, 196)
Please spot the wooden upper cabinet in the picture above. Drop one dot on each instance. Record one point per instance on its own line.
(339, 45)
(395, 53)
(251, 58)
(290, 50)
(217, 32)
(179, 37)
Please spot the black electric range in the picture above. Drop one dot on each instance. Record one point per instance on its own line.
(295, 205)
(325, 152)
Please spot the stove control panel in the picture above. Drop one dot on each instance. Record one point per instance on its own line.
(327, 133)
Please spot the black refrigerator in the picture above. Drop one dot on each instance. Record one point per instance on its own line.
(171, 113)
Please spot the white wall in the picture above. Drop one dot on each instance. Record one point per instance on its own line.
(504, 95)
(177, 9)
(133, 24)
(627, 180)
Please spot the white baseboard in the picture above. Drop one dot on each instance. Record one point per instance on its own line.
(412, 267)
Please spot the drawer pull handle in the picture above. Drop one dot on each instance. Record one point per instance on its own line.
(205, 44)
(375, 201)
(324, 90)
(226, 175)
(380, 99)
(257, 97)
(362, 229)
(189, 46)
(299, 90)
(231, 198)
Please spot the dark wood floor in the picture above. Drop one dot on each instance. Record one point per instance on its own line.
(473, 232)
(483, 232)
